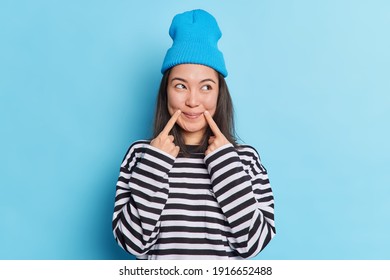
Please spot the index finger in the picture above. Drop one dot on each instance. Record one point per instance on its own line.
(171, 123)
(214, 127)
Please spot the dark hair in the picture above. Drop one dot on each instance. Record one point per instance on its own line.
(223, 117)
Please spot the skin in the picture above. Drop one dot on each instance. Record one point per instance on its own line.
(193, 89)
(192, 100)
(164, 141)
(216, 141)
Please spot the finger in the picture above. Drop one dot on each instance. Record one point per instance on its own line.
(214, 127)
(176, 151)
(211, 139)
(168, 127)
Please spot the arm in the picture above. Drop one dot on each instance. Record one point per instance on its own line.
(141, 194)
(242, 189)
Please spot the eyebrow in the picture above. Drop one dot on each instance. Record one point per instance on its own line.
(185, 81)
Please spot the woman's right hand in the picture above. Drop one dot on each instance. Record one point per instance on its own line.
(164, 141)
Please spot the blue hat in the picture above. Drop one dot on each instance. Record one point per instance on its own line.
(195, 35)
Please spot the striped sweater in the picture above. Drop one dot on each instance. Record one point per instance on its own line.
(218, 206)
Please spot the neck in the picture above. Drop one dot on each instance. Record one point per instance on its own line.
(193, 138)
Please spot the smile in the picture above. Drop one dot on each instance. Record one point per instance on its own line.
(192, 116)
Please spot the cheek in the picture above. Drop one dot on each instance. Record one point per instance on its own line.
(174, 103)
(210, 104)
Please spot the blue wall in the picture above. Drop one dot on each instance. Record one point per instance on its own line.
(310, 82)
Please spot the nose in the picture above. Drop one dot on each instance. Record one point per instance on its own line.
(192, 99)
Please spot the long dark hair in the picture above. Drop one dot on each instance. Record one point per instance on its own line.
(224, 116)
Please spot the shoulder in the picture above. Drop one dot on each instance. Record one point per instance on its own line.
(250, 157)
(136, 149)
(244, 150)
(139, 144)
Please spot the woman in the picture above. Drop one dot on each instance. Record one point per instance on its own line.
(192, 192)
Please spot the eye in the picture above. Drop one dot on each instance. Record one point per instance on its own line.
(206, 87)
(180, 86)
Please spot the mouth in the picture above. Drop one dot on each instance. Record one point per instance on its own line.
(192, 116)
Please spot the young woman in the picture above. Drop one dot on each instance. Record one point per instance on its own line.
(192, 192)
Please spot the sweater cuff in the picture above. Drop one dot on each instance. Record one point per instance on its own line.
(216, 153)
(158, 157)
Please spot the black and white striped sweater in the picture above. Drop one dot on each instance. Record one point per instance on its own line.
(218, 206)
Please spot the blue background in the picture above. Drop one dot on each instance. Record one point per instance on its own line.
(310, 82)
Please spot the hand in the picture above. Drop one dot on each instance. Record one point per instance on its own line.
(164, 141)
(216, 141)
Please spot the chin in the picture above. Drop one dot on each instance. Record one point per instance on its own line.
(193, 128)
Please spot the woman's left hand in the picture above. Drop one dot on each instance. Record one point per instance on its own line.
(218, 140)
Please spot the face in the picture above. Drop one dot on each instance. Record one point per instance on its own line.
(193, 89)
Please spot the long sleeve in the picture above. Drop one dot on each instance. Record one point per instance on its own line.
(141, 194)
(241, 186)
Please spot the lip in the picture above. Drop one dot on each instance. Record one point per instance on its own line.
(192, 116)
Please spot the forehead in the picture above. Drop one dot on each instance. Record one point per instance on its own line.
(193, 72)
